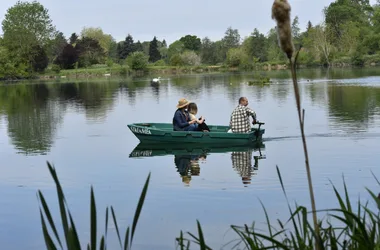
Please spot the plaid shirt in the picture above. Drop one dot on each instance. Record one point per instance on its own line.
(239, 122)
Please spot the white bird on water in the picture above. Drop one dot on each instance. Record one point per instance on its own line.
(156, 80)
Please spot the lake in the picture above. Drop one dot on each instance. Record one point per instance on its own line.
(81, 128)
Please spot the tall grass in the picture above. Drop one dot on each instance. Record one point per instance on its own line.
(71, 239)
(359, 229)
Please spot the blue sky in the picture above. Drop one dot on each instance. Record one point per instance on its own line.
(170, 20)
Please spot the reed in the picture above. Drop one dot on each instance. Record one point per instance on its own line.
(281, 13)
(71, 240)
(360, 228)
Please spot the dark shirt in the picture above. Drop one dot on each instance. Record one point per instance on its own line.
(180, 120)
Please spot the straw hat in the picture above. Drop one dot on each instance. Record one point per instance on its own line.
(182, 103)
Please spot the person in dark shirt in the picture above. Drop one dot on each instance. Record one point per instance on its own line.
(182, 120)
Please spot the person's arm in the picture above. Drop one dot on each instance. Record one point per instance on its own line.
(252, 113)
(180, 120)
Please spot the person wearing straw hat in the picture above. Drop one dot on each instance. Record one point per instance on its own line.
(181, 118)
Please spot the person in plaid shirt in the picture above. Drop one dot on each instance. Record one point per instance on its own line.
(239, 122)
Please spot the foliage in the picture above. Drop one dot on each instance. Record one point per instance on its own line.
(176, 60)
(190, 58)
(191, 42)
(176, 48)
(359, 230)
(30, 25)
(137, 60)
(89, 52)
(68, 57)
(154, 53)
(97, 34)
(349, 33)
(359, 227)
(71, 238)
(236, 57)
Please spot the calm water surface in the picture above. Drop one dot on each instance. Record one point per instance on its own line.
(80, 127)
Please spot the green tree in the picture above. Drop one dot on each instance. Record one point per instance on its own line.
(236, 57)
(73, 38)
(296, 32)
(127, 47)
(90, 52)
(190, 58)
(231, 38)
(138, 46)
(275, 54)
(191, 42)
(137, 60)
(27, 27)
(154, 53)
(105, 40)
(176, 48)
(256, 46)
(57, 45)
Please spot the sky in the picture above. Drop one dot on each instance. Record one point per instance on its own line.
(169, 19)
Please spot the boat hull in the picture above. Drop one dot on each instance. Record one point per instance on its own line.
(163, 133)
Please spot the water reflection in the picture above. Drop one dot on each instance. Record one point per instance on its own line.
(353, 106)
(188, 158)
(32, 117)
(188, 166)
(34, 112)
(242, 163)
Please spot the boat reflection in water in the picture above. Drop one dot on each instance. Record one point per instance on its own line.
(187, 158)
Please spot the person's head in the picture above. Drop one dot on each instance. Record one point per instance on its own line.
(182, 103)
(192, 108)
(243, 101)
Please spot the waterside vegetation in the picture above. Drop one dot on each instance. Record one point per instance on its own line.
(347, 36)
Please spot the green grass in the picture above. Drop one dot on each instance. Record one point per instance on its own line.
(71, 239)
(359, 228)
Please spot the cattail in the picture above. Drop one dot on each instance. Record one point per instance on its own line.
(281, 12)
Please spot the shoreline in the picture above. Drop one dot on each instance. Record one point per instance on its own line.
(111, 72)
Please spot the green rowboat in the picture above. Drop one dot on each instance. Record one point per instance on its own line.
(164, 133)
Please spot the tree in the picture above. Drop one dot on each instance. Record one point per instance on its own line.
(191, 42)
(138, 46)
(73, 38)
(231, 38)
(236, 57)
(190, 58)
(27, 26)
(57, 46)
(154, 54)
(104, 40)
(127, 48)
(40, 59)
(256, 45)
(319, 36)
(176, 48)
(137, 60)
(89, 51)
(67, 58)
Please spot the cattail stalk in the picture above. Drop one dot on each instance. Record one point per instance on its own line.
(281, 13)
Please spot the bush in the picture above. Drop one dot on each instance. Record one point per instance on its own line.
(190, 58)
(55, 68)
(138, 60)
(160, 62)
(236, 57)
